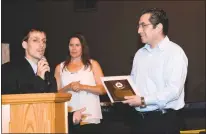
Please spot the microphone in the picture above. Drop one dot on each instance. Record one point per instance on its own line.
(47, 77)
(47, 74)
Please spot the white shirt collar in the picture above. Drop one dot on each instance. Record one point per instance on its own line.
(161, 44)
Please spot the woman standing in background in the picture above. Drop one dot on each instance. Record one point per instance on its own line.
(80, 76)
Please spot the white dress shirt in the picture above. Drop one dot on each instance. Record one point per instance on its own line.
(159, 75)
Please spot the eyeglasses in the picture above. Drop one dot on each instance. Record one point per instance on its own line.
(143, 25)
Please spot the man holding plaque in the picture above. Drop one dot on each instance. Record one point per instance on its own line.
(159, 73)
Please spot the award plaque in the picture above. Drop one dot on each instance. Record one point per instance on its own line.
(117, 87)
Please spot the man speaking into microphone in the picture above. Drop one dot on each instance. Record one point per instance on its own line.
(30, 74)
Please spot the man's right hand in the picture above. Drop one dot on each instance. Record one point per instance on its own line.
(42, 67)
(78, 116)
(134, 100)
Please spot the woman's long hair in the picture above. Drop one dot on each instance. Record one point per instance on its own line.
(85, 57)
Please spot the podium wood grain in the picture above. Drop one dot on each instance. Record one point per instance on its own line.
(37, 113)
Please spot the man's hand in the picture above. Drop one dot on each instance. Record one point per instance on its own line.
(132, 100)
(42, 67)
(78, 116)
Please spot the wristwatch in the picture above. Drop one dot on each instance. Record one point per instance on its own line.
(143, 105)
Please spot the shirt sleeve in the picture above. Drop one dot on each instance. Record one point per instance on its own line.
(9, 82)
(133, 72)
(40, 86)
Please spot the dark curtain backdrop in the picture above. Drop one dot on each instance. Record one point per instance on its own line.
(110, 29)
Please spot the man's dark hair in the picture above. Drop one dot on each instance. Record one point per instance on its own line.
(157, 16)
(26, 37)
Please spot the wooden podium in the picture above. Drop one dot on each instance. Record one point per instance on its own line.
(35, 113)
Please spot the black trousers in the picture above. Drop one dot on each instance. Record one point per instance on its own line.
(86, 129)
(156, 122)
